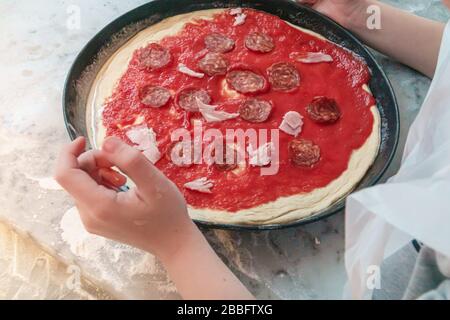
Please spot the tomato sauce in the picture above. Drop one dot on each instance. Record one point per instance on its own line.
(341, 80)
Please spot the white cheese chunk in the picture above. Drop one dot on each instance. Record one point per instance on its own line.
(261, 156)
(152, 154)
(311, 57)
(239, 19)
(235, 11)
(292, 123)
(144, 139)
(183, 69)
(201, 185)
(210, 113)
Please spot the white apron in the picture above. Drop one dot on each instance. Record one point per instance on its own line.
(413, 204)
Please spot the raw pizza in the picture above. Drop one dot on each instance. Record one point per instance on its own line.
(242, 69)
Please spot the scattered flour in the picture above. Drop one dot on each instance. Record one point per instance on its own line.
(117, 265)
(47, 183)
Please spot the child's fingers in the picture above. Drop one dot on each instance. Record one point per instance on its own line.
(76, 181)
(68, 157)
(98, 167)
(92, 160)
(133, 163)
(113, 177)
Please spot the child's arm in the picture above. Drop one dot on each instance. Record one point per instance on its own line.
(152, 216)
(410, 39)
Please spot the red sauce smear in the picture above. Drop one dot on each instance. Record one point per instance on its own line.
(341, 80)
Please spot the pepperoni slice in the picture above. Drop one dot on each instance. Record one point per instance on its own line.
(245, 81)
(217, 42)
(213, 64)
(154, 56)
(259, 42)
(187, 98)
(175, 154)
(303, 152)
(154, 96)
(255, 110)
(283, 76)
(323, 110)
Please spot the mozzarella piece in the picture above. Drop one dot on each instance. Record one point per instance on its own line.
(145, 140)
(261, 156)
(152, 154)
(239, 19)
(201, 54)
(201, 185)
(142, 136)
(293, 119)
(292, 123)
(311, 57)
(210, 113)
(183, 69)
(235, 11)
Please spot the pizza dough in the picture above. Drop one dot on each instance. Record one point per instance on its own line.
(283, 209)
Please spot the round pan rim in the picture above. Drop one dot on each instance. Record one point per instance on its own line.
(336, 206)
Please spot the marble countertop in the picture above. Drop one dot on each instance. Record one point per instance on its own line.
(40, 40)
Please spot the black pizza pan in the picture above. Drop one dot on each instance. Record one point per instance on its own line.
(98, 49)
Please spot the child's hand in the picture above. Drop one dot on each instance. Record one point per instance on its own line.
(341, 11)
(151, 216)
